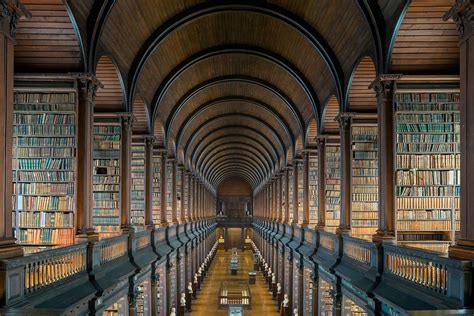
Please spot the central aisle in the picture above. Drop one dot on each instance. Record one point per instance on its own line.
(206, 302)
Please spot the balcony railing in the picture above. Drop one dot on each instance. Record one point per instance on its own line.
(234, 221)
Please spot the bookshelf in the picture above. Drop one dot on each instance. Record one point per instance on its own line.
(143, 299)
(185, 196)
(137, 189)
(44, 169)
(106, 178)
(300, 191)
(169, 191)
(119, 308)
(291, 185)
(308, 291)
(283, 197)
(427, 155)
(156, 208)
(313, 188)
(326, 300)
(350, 308)
(333, 186)
(364, 180)
(179, 175)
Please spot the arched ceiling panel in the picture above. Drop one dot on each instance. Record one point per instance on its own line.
(228, 89)
(227, 159)
(234, 65)
(109, 98)
(330, 125)
(236, 168)
(47, 42)
(312, 133)
(140, 113)
(159, 133)
(425, 42)
(232, 172)
(361, 98)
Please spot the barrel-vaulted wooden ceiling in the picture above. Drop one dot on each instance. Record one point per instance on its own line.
(235, 88)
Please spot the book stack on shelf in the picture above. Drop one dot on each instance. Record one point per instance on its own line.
(326, 299)
(300, 192)
(427, 169)
(142, 300)
(283, 197)
(179, 175)
(313, 188)
(308, 291)
(333, 186)
(44, 169)
(169, 191)
(364, 181)
(351, 308)
(185, 197)
(106, 179)
(118, 308)
(291, 185)
(137, 169)
(156, 209)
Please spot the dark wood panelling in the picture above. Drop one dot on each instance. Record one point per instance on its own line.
(234, 187)
(330, 113)
(140, 113)
(425, 42)
(361, 98)
(158, 132)
(110, 97)
(311, 133)
(47, 42)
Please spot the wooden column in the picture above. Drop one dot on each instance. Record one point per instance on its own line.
(275, 200)
(126, 120)
(321, 182)
(174, 218)
(305, 222)
(9, 19)
(296, 178)
(163, 188)
(182, 197)
(87, 87)
(384, 86)
(149, 142)
(281, 178)
(462, 14)
(344, 120)
(187, 214)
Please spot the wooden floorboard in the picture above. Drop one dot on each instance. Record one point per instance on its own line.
(206, 302)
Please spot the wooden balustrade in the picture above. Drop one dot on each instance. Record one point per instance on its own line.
(113, 248)
(143, 239)
(357, 249)
(326, 240)
(53, 265)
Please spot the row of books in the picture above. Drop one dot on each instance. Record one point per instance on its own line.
(365, 172)
(429, 191)
(106, 187)
(50, 98)
(412, 225)
(427, 118)
(50, 141)
(428, 138)
(370, 155)
(427, 128)
(426, 215)
(106, 179)
(427, 97)
(362, 212)
(112, 130)
(43, 219)
(425, 177)
(49, 130)
(105, 212)
(365, 197)
(107, 154)
(43, 188)
(426, 148)
(43, 176)
(43, 118)
(45, 107)
(44, 164)
(40, 203)
(364, 223)
(137, 186)
(44, 151)
(101, 220)
(430, 161)
(45, 236)
(105, 143)
(427, 203)
(102, 203)
(313, 189)
(107, 163)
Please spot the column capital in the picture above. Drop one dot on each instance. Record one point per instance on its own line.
(12, 10)
(462, 13)
(384, 82)
(345, 119)
(149, 140)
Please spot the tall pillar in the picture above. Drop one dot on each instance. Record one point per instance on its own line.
(149, 142)
(296, 201)
(345, 133)
(281, 178)
(275, 198)
(163, 189)
(9, 18)
(321, 182)
(126, 120)
(384, 86)
(462, 14)
(88, 85)
(181, 193)
(174, 218)
(187, 212)
(287, 194)
(305, 221)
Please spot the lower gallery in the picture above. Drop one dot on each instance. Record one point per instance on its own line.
(279, 157)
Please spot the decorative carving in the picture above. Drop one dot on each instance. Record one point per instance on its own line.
(384, 83)
(149, 141)
(127, 120)
(344, 119)
(320, 141)
(462, 14)
(11, 11)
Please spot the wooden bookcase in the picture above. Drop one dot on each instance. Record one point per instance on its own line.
(107, 174)
(137, 189)
(300, 191)
(156, 209)
(364, 179)
(291, 186)
(333, 185)
(44, 167)
(313, 188)
(427, 156)
(179, 175)
(326, 301)
(169, 191)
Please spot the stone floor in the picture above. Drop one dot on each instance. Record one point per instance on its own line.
(206, 302)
